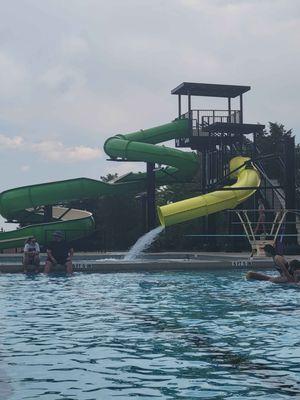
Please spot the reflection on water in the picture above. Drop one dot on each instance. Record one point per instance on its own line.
(165, 336)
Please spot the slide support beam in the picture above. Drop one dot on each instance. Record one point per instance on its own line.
(151, 210)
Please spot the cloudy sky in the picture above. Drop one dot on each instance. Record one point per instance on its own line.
(75, 72)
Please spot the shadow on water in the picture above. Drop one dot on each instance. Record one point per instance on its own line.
(6, 389)
(223, 356)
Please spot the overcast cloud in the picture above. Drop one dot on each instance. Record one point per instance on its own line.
(73, 73)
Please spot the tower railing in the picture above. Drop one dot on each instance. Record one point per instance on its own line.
(202, 118)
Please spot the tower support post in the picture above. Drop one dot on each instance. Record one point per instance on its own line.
(48, 213)
(290, 188)
(151, 213)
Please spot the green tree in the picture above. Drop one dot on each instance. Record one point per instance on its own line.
(109, 177)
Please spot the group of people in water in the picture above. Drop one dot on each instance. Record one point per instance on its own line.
(59, 252)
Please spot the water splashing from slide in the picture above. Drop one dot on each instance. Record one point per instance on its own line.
(143, 243)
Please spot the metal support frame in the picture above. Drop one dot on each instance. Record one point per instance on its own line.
(203, 169)
(256, 241)
(213, 176)
(229, 109)
(290, 184)
(151, 212)
(64, 213)
(48, 214)
(241, 110)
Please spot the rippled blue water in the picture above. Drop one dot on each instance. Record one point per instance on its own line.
(164, 336)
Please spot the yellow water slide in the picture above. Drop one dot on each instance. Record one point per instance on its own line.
(247, 182)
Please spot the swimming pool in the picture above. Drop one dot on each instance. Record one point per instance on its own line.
(190, 335)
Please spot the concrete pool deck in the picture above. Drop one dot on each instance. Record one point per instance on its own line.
(151, 262)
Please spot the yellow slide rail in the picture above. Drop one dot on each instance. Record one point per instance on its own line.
(247, 177)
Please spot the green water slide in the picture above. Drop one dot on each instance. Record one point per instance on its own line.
(28, 203)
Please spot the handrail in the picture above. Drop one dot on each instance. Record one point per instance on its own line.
(210, 109)
(214, 115)
(266, 210)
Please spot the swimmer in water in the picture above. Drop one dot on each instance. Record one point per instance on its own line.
(281, 264)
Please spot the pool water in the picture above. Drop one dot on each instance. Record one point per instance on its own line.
(148, 336)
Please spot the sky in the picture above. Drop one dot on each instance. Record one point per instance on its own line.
(75, 72)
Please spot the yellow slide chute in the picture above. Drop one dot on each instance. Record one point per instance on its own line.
(247, 177)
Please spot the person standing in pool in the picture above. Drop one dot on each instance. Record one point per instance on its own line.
(59, 252)
(281, 264)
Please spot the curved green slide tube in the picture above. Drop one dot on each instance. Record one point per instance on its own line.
(27, 203)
